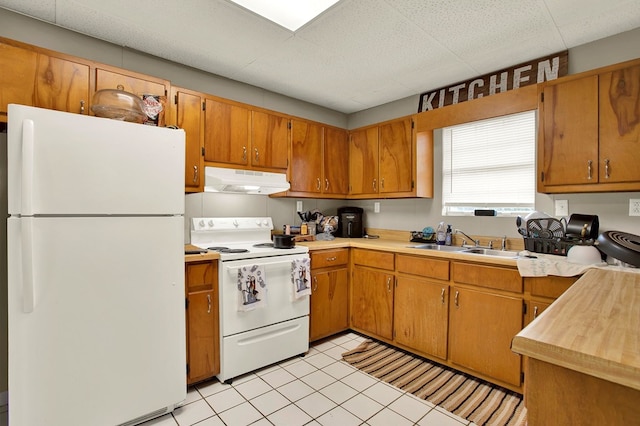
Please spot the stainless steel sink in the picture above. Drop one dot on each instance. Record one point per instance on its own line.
(438, 247)
(491, 252)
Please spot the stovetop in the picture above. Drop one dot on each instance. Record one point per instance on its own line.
(238, 238)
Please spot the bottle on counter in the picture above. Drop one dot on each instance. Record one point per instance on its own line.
(304, 228)
(447, 238)
(441, 234)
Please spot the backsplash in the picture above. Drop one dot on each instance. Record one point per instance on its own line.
(410, 214)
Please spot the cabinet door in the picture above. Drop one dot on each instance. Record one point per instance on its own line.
(395, 150)
(189, 117)
(329, 303)
(336, 162)
(619, 125)
(226, 133)
(363, 161)
(306, 157)
(421, 315)
(202, 335)
(269, 140)
(16, 79)
(372, 301)
(481, 327)
(62, 85)
(570, 133)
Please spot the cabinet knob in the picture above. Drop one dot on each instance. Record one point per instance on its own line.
(535, 312)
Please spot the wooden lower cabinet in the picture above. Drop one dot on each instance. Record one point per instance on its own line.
(202, 320)
(372, 285)
(329, 293)
(421, 309)
(481, 327)
(421, 304)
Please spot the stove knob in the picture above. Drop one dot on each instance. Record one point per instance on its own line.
(265, 222)
(235, 223)
(201, 224)
(258, 222)
(211, 224)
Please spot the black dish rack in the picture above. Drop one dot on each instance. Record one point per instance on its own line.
(548, 236)
(420, 237)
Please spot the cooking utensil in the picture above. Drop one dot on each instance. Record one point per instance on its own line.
(583, 226)
(621, 245)
(283, 241)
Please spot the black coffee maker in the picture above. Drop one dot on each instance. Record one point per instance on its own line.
(350, 223)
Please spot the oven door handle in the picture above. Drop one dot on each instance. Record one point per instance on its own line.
(267, 264)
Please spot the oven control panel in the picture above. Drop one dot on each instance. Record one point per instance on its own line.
(230, 223)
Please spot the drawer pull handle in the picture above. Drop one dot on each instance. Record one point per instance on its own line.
(315, 283)
(535, 312)
(326, 184)
(81, 107)
(331, 259)
(244, 154)
(389, 284)
(195, 174)
(442, 296)
(208, 303)
(455, 300)
(606, 168)
(318, 184)
(589, 169)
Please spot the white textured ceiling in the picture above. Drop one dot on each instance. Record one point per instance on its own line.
(359, 53)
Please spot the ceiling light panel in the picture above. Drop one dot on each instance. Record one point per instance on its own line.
(291, 14)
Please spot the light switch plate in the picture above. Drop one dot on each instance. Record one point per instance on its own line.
(298, 206)
(562, 207)
(376, 207)
(634, 207)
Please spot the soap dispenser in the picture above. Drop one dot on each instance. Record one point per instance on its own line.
(447, 238)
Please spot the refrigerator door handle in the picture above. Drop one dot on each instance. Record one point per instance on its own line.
(28, 142)
(28, 295)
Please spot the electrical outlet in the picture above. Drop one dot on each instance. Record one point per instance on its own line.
(562, 207)
(298, 206)
(634, 207)
(376, 207)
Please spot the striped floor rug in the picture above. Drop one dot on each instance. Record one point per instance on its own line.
(458, 393)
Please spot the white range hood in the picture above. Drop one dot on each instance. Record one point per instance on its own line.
(218, 179)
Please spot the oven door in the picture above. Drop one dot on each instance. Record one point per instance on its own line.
(279, 305)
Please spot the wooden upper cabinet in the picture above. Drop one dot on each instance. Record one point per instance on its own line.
(335, 153)
(62, 85)
(381, 159)
(227, 128)
(619, 125)
(269, 140)
(396, 159)
(138, 84)
(189, 116)
(16, 79)
(569, 152)
(306, 157)
(363, 161)
(36, 79)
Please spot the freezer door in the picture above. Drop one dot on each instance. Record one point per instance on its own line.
(62, 163)
(104, 341)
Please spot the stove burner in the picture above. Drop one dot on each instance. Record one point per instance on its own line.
(263, 245)
(227, 250)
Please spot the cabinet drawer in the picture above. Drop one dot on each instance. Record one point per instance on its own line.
(487, 276)
(374, 259)
(424, 267)
(328, 258)
(549, 286)
(201, 275)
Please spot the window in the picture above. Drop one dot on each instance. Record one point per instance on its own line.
(489, 164)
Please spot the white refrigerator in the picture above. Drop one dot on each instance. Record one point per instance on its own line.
(95, 253)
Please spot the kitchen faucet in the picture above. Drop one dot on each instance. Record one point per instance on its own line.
(476, 242)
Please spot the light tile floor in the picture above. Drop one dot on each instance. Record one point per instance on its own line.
(317, 389)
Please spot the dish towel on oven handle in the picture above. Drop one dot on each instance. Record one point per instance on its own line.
(252, 287)
(300, 277)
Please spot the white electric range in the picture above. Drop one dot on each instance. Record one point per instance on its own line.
(261, 320)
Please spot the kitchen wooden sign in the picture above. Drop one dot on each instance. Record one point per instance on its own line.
(532, 72)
